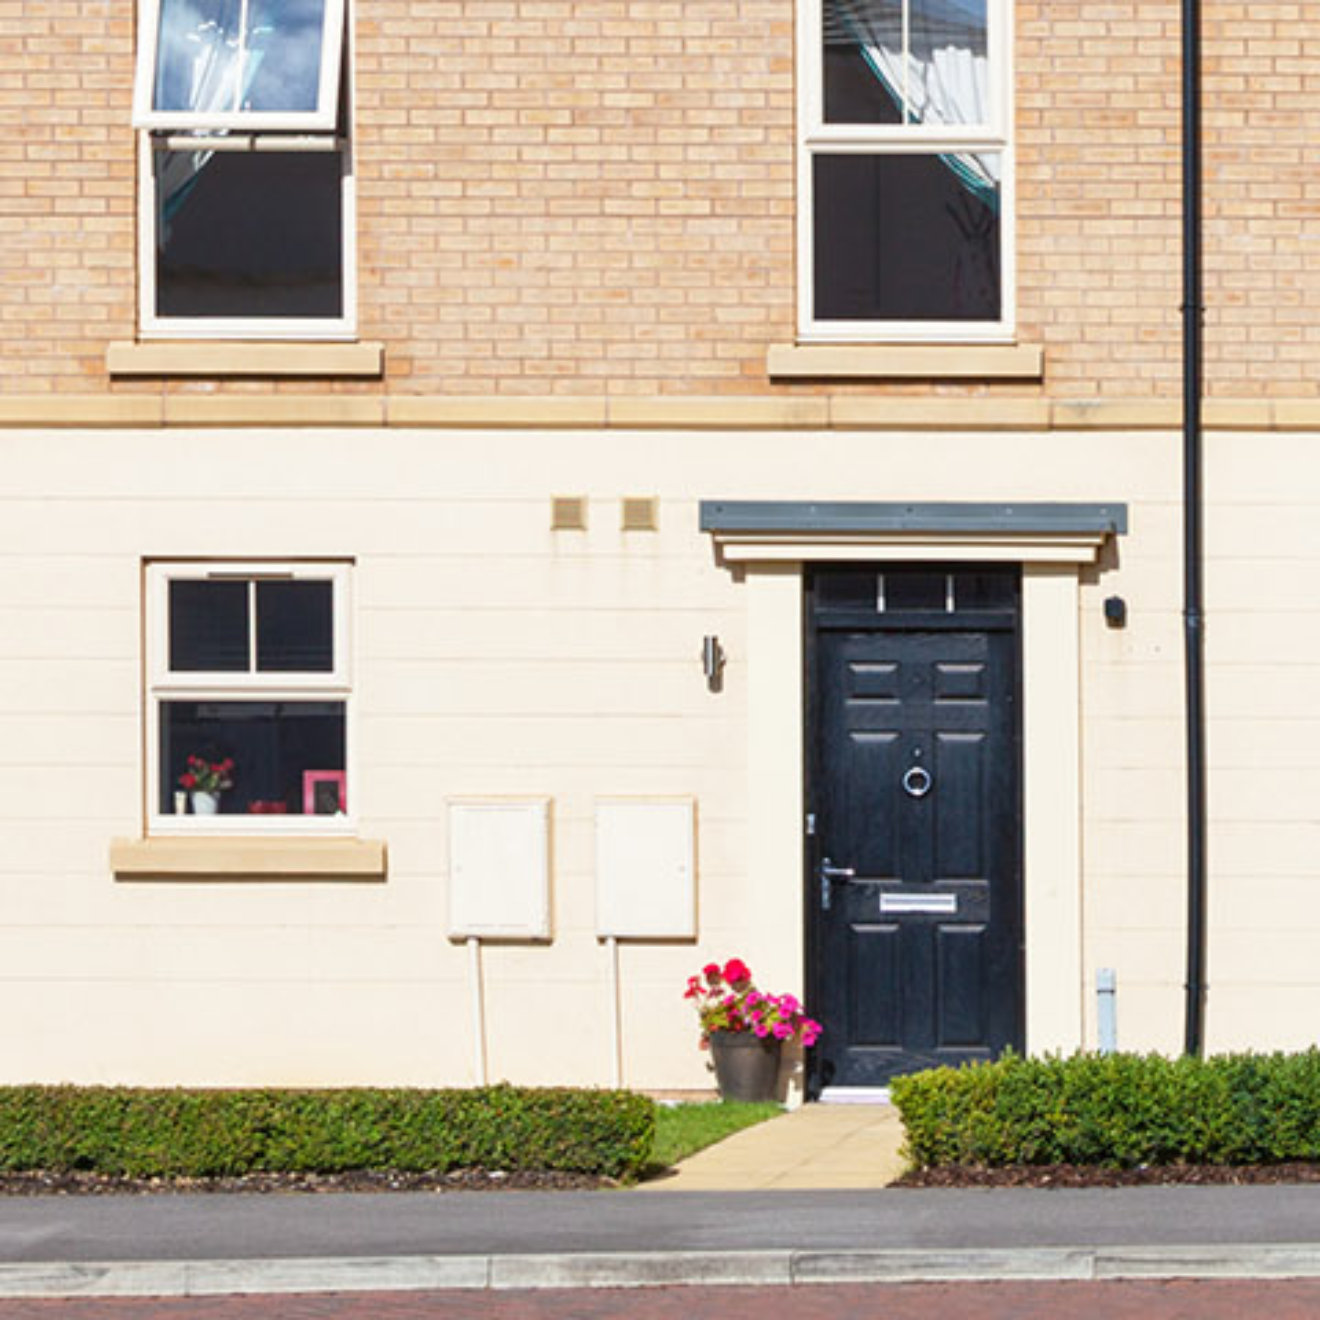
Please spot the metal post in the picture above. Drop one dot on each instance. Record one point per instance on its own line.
(478, 1011)
(616, 1014)
(1106, 1010)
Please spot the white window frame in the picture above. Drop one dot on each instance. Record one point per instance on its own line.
(816, 137)
(322, 118)
(246, 327)
(290, 134)
(163, 685)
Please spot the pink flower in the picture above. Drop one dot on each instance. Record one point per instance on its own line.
(782, 1031)
(762, 1030)
(736, 971)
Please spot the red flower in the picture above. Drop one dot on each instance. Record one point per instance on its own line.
(188, 779)
(736, 971)
(711, 971)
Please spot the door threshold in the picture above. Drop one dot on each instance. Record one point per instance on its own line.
(854, 1095)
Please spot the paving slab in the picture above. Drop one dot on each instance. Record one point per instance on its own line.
(818, 1146)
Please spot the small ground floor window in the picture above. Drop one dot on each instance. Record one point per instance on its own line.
(249, 697)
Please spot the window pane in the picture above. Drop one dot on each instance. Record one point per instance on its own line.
(987, 591)
(249, 234)
(274, 745)
(283, 70)
(848, 589)
(862, 41)
(906, 61)
(906, 237)
(905, 590)
(295, 627)
(954, 25)
(208, 626)
(223, 56)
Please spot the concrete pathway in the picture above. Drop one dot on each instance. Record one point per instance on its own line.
(827, 1147)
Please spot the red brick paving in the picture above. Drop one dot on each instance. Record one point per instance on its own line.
(1180, 1299)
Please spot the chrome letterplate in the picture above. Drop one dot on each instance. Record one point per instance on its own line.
(943, 904)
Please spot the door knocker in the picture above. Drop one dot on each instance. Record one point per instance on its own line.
(917, 781)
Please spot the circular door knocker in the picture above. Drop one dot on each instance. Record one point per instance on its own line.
(917, 781)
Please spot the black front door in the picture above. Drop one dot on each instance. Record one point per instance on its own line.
(914, 863)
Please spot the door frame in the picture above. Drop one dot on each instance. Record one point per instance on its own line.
(812, 922)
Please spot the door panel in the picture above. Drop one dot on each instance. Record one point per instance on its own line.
(916, 944)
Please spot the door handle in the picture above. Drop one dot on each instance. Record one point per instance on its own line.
(829, 873)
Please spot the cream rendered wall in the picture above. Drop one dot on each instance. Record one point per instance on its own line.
(493, 656)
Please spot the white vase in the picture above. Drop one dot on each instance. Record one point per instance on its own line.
(205, 804)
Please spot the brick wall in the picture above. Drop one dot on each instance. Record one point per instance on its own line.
(583, 200)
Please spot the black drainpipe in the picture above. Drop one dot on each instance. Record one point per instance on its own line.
(1193, 617)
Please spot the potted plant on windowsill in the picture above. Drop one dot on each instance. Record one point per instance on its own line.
(745, 1029)
(205, 781)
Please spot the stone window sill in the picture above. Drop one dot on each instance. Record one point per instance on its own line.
(1023, 362)
(214, 359)
(248, 859)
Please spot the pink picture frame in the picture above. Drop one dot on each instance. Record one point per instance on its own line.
(316, 795)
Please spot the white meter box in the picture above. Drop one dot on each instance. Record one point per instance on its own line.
(646, 868)
(499, 868)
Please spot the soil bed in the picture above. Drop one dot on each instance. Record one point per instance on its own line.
(1089, 1175)
(456, 1180)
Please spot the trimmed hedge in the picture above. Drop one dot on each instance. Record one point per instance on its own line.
(185, 1133)
(1117, 1111)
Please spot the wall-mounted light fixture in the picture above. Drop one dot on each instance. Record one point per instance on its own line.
(1116, 612)
(712, 662)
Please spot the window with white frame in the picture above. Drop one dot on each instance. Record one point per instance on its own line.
(246, 169)
(906, 167)
(249, 696)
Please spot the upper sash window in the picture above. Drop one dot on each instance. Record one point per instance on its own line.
(239, 64)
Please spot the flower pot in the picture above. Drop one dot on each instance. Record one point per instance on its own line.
(746, 1065)
(205, 804)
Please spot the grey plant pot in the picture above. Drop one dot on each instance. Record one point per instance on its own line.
(746, 1065)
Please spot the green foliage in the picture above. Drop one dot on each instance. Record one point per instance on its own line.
(682, 1130)
(182, 1133)
(1118, 1110)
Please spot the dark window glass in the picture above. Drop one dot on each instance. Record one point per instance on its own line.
(986, 591)
(847, 589)
(916, 591)
(208, 626)
(295, 627)
(275, 746)
(855, 91)
(249, 234)
(903, 237)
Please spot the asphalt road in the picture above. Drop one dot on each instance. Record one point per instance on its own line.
(174, 1228)
(1173, 1300)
